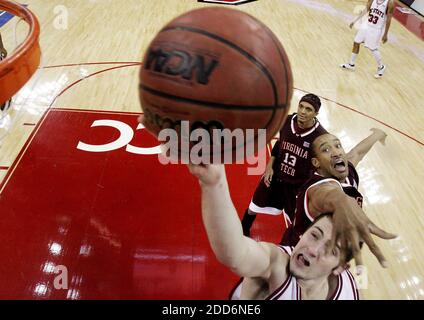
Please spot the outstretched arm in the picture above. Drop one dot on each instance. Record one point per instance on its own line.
(243, 255)
(350, 224)
(390, 10)
(361, 149)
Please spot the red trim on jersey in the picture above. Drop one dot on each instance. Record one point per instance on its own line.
(280, 290)
(336, 293)
(339, 287)
(298, 292)
(277, 293)
(353, 284)
(285, 250)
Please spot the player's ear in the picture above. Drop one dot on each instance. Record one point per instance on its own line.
(315, 162)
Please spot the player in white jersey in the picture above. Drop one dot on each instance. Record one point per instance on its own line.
(319, 257)
(310, 273)
(376, 28)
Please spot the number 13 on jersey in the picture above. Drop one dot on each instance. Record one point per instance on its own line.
(289, 159)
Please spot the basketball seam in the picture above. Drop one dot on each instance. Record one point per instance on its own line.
(244, 53)
(232, 45)
(209, 104)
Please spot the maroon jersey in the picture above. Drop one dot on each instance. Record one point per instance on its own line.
(292, 151)
(303, 218)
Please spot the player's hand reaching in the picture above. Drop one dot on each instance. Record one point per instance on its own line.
(380, 134)
(351, 226)
(208, 174)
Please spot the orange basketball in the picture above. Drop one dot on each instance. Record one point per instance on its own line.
(215, 67)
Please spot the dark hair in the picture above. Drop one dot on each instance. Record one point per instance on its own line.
(349, 253)
(313, 151)
(313, 99)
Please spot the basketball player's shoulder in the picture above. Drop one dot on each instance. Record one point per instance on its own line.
(320, 130)
(278, 250)
(287, 126)
(348, 287)
(352, 171)
(280, 255)
(286, 249)
(279, 259)
(317, 180)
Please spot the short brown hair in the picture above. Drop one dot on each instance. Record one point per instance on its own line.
(349, 253)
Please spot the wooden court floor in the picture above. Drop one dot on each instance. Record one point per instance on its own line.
(91, 50)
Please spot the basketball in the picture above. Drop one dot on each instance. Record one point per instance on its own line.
(216, 68)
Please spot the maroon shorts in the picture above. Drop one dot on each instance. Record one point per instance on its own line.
(273, 199)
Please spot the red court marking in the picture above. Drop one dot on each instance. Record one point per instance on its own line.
(97, 111)
(124, 225)
(89, 76)
(21, 153)
(4, 168)
(369, 117)
(88, 63)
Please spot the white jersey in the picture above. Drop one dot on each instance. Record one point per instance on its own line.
(346, 288)
(378, 14)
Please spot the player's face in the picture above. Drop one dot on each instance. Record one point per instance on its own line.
(305, 115)
(310, 259)
(330, 157)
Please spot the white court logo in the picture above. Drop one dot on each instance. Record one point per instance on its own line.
(126, 134)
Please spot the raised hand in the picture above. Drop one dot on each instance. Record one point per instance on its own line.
(380, 135)
(350, 226)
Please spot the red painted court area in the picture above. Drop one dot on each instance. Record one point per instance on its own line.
(123, 225)
(413, 22)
